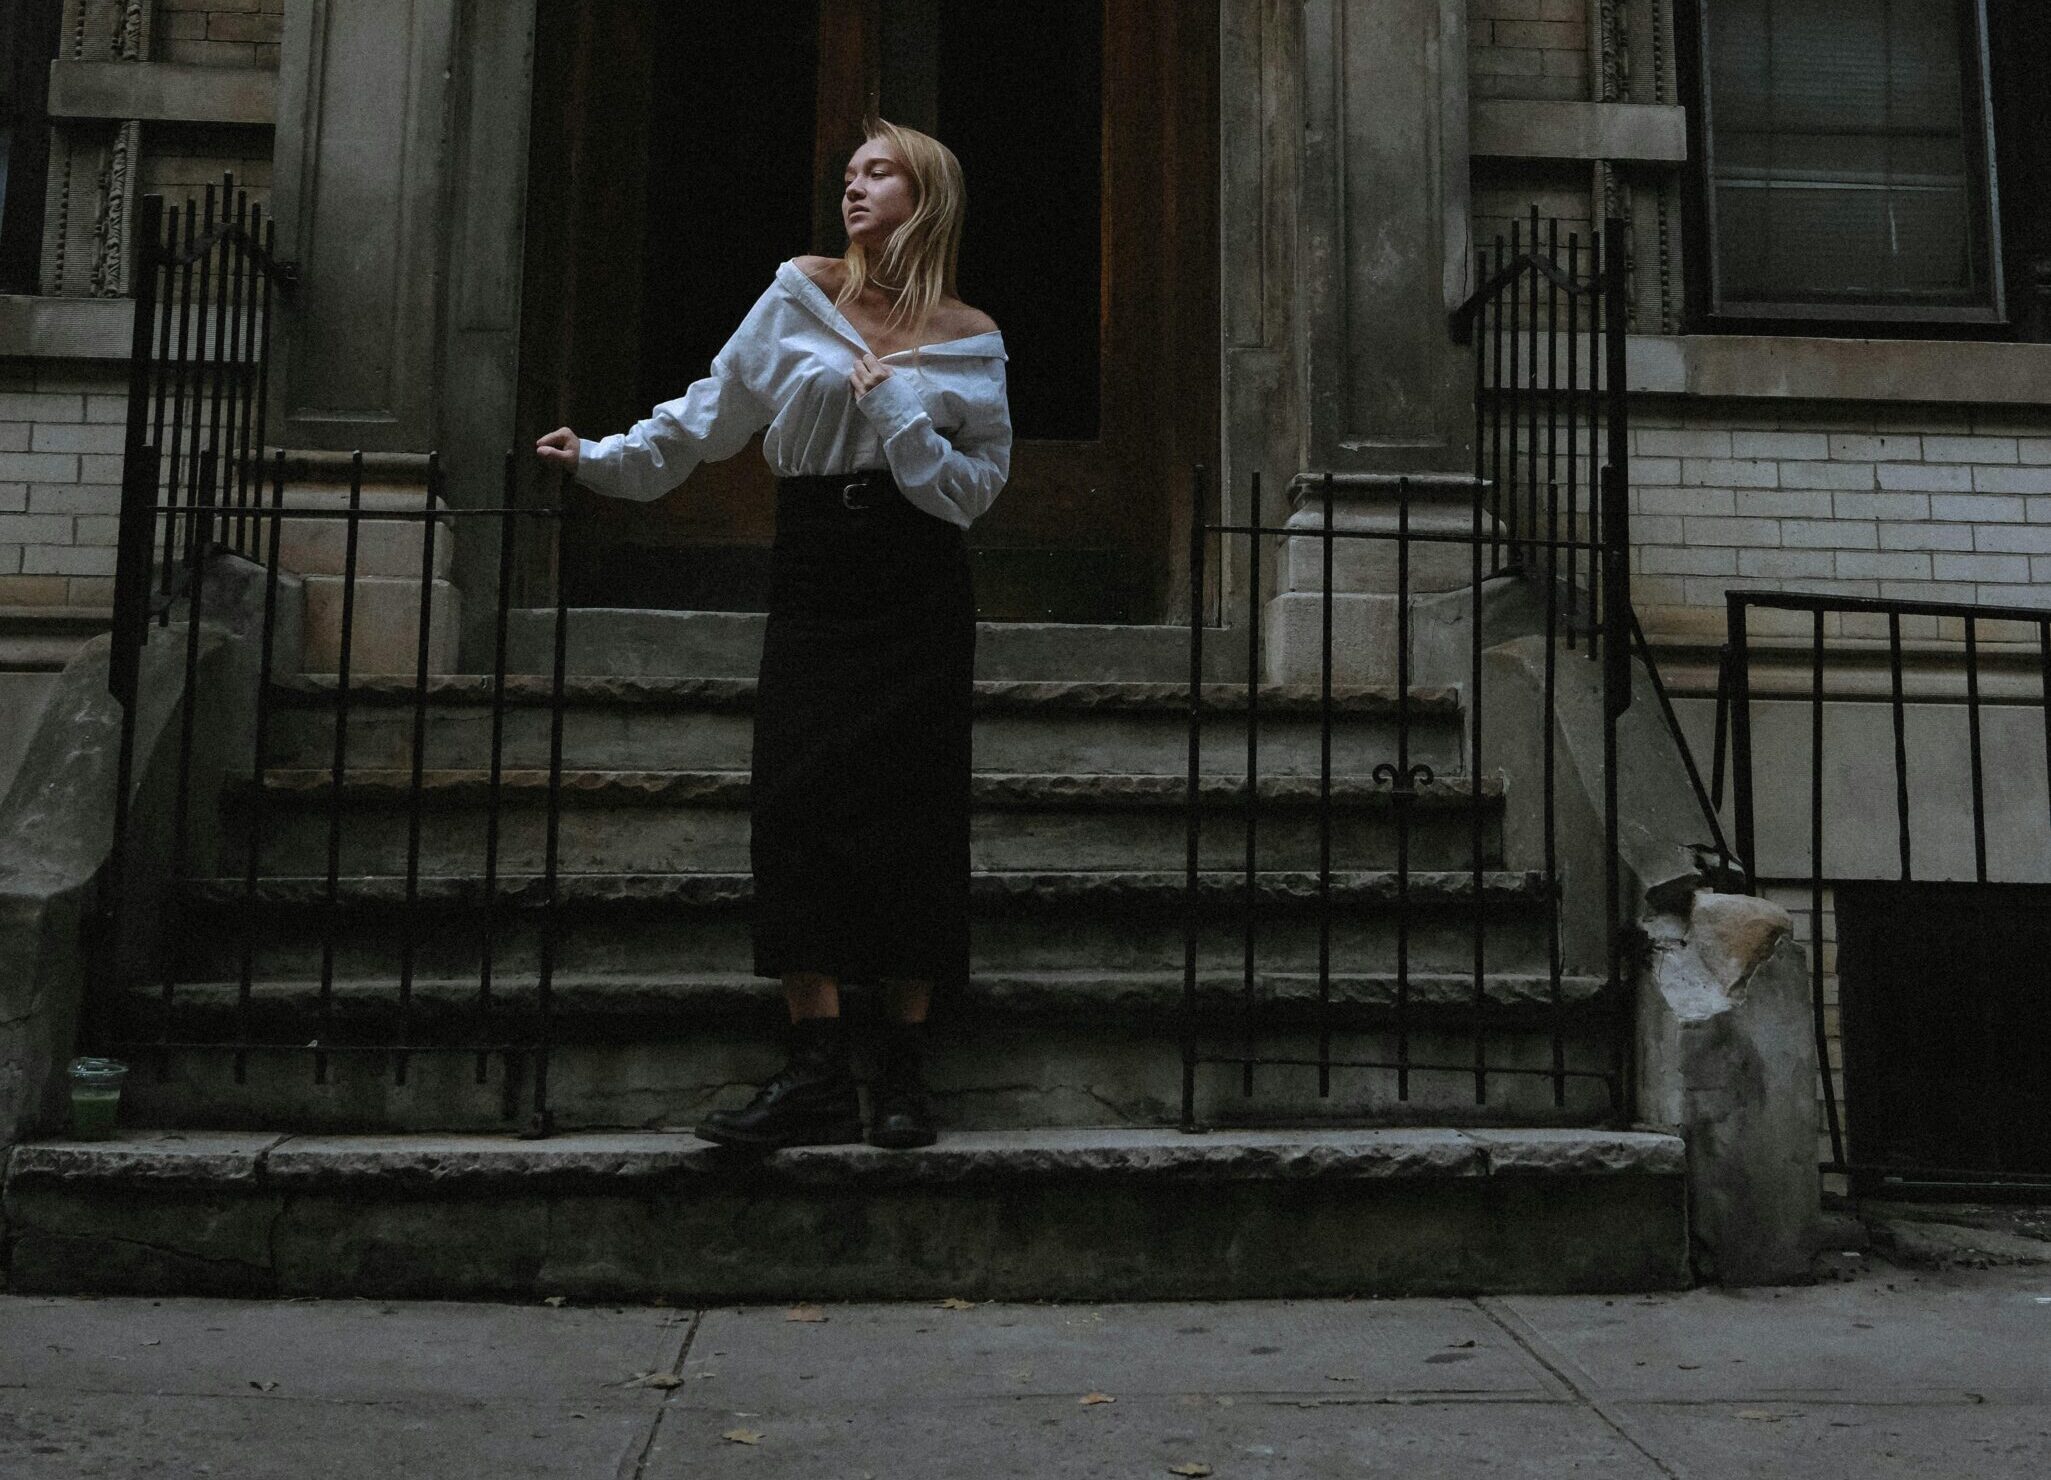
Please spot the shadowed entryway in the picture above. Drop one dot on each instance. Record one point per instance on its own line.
(1087, 138)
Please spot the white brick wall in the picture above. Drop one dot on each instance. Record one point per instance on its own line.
(1528, 48)
(218, 33)
(60, 484)
(1911, 505)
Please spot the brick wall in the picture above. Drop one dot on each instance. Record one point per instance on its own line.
(1921, 504)
(60, 476)
(183, 163)
(182, 159)
(1528, 48)
(1797, 903)
(218, 33)
(1503, 193)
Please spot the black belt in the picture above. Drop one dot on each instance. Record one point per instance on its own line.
(864, 488)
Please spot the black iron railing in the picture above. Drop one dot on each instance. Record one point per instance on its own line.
(198, 374)
(194, 502)
(1547, 508)
(254, 905)
(1877, 710)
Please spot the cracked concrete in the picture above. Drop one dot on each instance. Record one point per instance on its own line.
(1890, 1373)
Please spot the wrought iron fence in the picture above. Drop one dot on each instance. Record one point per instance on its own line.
(384, 921)
(1878, 708)
(194, 507)
(1547, 511)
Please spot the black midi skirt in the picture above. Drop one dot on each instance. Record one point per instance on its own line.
(860, 792)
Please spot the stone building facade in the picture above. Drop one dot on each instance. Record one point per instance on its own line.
(1291, 196)
(130, 97)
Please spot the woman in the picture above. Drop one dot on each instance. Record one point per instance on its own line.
(889, 430)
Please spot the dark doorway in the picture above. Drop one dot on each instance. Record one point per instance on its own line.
(1947, 1026)
(676, 164)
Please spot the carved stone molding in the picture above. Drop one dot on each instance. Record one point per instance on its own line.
(110, 274)
(94, 164)
(106, 30)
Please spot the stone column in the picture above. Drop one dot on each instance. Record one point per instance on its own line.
(1385, 254)
(400, 191)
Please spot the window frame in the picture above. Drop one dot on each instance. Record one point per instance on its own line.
(1985, 184)
(29, 36)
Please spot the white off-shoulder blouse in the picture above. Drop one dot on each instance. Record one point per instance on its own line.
(940, 421)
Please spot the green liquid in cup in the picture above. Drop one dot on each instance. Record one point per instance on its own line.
(92, 1112)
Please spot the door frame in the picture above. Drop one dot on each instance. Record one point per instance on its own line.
(1175, 403)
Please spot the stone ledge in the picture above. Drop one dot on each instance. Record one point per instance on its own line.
(1514, 128)
(1816, 368)
(42, 639)
(155, 1158)
(1138, 999)
(49, 328)
(991, 695)
(1123, 888)
(621, 640)
(1077, 1214)
(259, 1160)
(445, 788)
(167, 92)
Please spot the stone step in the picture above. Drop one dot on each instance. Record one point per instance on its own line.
(384, 624)
(635, 643)
(1013, 1049)
(662, 821)
(1073, 1214)
(1023, 919)
(1020, 726)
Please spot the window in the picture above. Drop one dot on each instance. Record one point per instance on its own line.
(1847, 156)
(28, 41)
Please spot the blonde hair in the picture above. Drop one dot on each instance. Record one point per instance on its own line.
(923, 252)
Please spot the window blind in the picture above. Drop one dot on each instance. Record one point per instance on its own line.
(1846, 154)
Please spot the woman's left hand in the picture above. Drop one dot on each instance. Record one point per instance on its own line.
(869, 372)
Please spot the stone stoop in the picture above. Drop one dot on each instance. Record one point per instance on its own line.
(1075, 1006)
(1017, 1048)
(385, 620)
(1079, 1214)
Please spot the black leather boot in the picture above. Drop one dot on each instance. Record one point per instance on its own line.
(810, 1101)
(899, 1113)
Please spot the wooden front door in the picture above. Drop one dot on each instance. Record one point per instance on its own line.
(1087, 134)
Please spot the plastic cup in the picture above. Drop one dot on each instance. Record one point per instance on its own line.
(95, 1097)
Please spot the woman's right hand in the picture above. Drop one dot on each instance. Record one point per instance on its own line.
(559, 449)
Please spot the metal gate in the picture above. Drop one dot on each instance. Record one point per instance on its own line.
(1548, 508)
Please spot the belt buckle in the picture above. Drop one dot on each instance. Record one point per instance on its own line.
(858, 486)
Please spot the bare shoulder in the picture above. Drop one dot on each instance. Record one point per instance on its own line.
(966, 321)
(821, 270)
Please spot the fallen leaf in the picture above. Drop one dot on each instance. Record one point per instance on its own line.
(1458, 1344)
(159, 1341)
(262, 1387)
(1340, 1377)
(1194, 1467)
(555, 1299)
(804, 1313)
(657, 1380)
(742, 1436)
(1088, 1398)
(955, 1302)
(1764, 1415)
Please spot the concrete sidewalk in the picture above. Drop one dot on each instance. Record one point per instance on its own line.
(1892, 1372)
